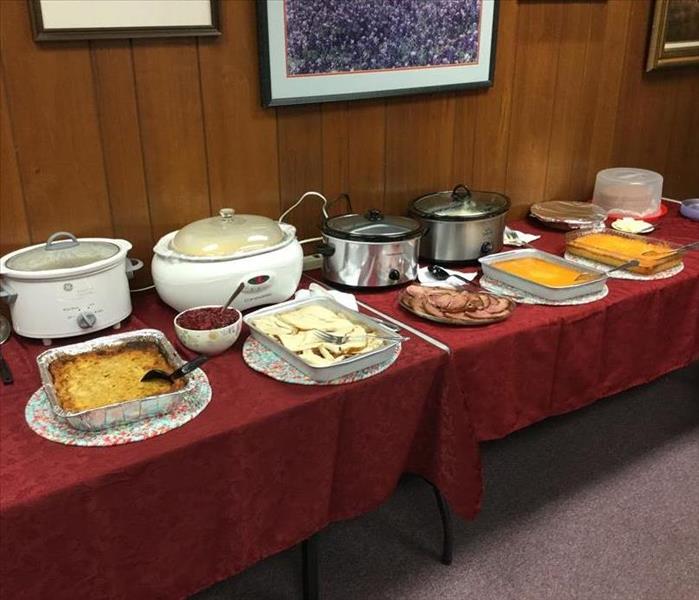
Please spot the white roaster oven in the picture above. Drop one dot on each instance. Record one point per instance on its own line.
(202, 263)
(67, 286)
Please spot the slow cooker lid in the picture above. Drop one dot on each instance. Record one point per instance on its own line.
(227, 235)
(62, 254)
(372, 226)
(461, 204)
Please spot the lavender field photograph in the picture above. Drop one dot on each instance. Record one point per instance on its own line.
(332, 50)
(336, 36)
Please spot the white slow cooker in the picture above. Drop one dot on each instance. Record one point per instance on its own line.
(67, 286)
(202, 263)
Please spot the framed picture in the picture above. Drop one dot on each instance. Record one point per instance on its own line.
(674, 39)
(60, 20)
(327, 50)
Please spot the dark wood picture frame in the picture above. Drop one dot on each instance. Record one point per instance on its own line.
(266, 83)
(660, 57)
(41, 34)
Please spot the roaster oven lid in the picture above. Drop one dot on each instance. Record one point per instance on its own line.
(62, 251)
(228, 234)
(373, 226)
(460, 204)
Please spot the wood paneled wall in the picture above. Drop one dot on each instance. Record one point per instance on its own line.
(134, 139)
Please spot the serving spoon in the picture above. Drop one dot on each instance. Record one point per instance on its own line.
(441, 275)
(626, 265)
(187, 367)
(234, 295)
(5, 331)
(670, 252)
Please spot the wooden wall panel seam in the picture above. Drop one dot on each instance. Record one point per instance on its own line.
(15, 150)
(203, 126)
(552, 120)
(140, 139)
(584, 74)
(622, 85)
(98, 112)
(509, 116)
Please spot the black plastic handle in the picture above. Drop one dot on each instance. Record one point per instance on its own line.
(325, 249)
(374, 215)
(5, 372)
(461, 192)
(190, 366)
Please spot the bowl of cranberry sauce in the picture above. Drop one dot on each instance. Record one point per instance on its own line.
(208, 329)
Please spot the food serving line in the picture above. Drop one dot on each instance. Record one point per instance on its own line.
(549, 360)
(268, 464)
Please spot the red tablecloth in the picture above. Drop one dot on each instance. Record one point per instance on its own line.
(264, 466)
(548, 360)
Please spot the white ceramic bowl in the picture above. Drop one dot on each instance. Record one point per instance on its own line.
(209, 341)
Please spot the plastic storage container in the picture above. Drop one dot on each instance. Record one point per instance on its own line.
(628, 192)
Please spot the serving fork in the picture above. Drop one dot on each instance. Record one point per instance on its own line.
(331, 338)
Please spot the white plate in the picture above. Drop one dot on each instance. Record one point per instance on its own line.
(648, 229)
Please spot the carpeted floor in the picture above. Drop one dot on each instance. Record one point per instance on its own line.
(601, 504)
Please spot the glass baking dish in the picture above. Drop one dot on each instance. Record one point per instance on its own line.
(652, 254)
(103, 417)
(325, 373)
(594, 282)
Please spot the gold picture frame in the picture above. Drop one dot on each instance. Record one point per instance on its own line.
(674, 38)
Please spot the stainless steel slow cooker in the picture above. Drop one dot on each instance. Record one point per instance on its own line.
(370, 250)
(461, 224)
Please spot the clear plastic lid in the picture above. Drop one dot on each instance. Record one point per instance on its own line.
(227, 235)
(624, 191)
(372, 226)
(461, 204)
(62, 254)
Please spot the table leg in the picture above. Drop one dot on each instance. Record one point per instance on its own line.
(447, 527)
(309, 551)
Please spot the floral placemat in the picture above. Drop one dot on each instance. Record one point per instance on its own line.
(497, 287)
(42, 420)
(621, 274)
(262, 359)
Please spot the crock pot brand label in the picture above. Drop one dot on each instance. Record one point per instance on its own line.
(68, 287)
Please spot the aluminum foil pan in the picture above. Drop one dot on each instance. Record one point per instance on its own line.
(563, 214)
(340, 369)
(590, 286)
(104, 417)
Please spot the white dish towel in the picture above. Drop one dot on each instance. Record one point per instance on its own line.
(426, 278)
(347, 300)
(512, 237)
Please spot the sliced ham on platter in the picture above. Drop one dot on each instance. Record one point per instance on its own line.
(458, 307)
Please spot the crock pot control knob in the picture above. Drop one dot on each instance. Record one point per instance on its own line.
(394, 274)
(486, 248)
(374, 215)
(86, 320)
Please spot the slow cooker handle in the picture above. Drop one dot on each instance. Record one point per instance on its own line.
(325, 249)
(132, 265)
(53, 244)
(7, 292)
